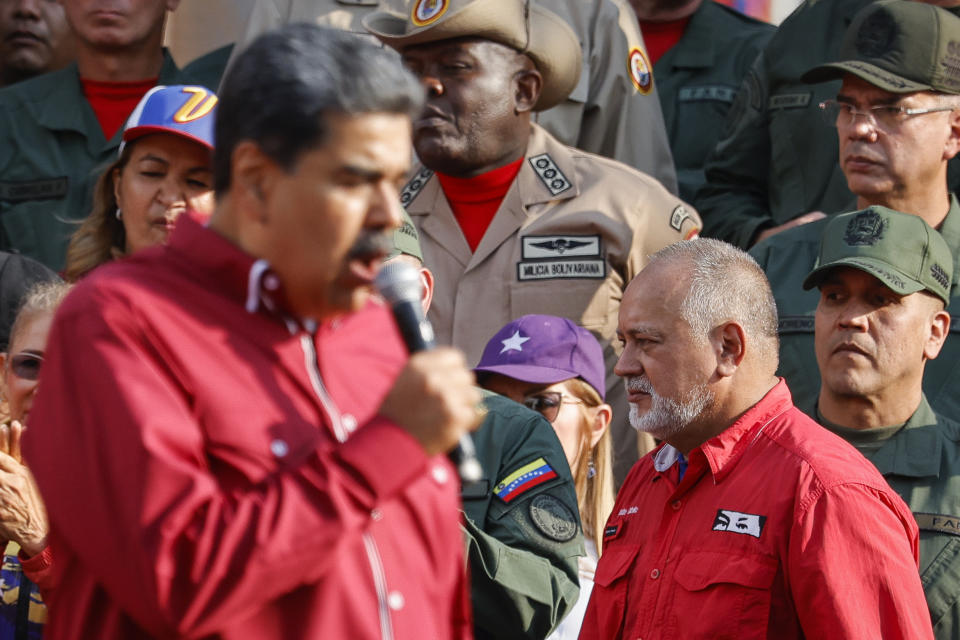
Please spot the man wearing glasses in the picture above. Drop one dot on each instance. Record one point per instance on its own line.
(898, 125)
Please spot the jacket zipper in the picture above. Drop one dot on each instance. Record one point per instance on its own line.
(373, 555)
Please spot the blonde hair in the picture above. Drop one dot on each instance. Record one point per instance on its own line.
(100, 237)
(595, 496)
(42, 298)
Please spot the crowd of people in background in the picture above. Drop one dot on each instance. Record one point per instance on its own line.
(691, 276)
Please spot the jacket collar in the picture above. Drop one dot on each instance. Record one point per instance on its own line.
(914, 451)
(66, 89)
(530, 188)
(701, 30)
(950, 230)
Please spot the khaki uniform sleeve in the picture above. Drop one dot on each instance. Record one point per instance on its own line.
(522, 553)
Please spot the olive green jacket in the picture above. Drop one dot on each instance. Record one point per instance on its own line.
(922, 464)
(52, 151)
(522, 553)
(776, 158)
(697, 79)
(788, 257)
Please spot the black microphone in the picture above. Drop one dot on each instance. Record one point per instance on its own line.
(399, 284)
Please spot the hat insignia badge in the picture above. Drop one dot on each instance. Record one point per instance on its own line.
(866, 229)
(876, 34)
(514, 342)
(428, 11)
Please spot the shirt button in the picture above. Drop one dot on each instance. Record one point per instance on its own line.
(395, 600)
(271, 282)
(655, 574)
(349, 422)
(676, 505)
(279, 448)
(376, 514)
(440, 474)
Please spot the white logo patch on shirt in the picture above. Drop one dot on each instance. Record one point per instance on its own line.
(566, 256)
(535, 247)
(736, 522)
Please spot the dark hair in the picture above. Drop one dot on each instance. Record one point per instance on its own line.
(278, 90)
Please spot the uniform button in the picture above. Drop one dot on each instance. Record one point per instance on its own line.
(376, 514)
(279, 448)
(676, 505)
(440, 474)
(655, 574)
(349, 422)
(396, 600)
(271, 282)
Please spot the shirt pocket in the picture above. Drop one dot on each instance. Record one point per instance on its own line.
(586, 302)
(611, 580)
(941, 583)
(735, 587)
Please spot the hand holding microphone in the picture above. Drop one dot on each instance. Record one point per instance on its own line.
(435, 397)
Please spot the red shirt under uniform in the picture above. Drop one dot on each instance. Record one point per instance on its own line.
(214, 469)
(779, 529)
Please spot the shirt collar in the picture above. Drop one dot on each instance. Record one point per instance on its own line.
(915, 451)
(724, 450)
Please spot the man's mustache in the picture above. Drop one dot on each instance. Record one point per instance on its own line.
(371, 244)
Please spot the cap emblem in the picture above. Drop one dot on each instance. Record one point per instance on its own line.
(640, 71)
(514, 342)
(866, 229)
(876, 34)
(200, 103)
(428, 11)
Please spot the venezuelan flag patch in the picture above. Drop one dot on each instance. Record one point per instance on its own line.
(523, 479)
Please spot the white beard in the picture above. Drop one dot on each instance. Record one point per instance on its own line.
(667, 416)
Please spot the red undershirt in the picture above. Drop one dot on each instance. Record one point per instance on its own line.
(661, 36)
(475, 200)
(113, 102)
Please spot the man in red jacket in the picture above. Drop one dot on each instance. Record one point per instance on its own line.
(751, 520)
(231, 440)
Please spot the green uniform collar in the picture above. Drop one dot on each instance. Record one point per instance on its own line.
(701, 30)
(915, 451)
(65, 88)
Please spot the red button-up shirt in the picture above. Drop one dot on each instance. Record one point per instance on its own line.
(217, 471)
(779, 529)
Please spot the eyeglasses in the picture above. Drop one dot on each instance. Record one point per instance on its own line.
(883, 116)
(547, 403)
(26, 366)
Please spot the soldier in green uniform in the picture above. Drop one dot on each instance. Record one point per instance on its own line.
(774, 166)
(52, 145)
(522, 524)
(698, 76)
(884, 279)
(891, 158)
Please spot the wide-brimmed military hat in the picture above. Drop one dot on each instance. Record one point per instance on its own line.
(519, 24)
(899, 46)
(899, 249)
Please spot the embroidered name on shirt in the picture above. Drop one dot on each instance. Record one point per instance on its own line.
(23, 190)
(552, 257)
(736, 522)
(550, 174)
(628, 512)
(789, 101)
(938, 522)
(415, 186)
(795, 324)
(707, 93)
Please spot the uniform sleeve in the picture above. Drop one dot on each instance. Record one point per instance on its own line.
(734, 202)
(853, 567)
(523, 554)
(619, 120)
(122, 466)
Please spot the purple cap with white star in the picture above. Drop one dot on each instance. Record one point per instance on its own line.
(545, 349)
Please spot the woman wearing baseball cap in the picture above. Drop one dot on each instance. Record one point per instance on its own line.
(164, 168)
(556, 368)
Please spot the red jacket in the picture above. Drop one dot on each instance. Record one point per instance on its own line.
(779, 529)
(207, 476)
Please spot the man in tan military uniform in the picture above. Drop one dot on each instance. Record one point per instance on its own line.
(613, 110)
(571, 229)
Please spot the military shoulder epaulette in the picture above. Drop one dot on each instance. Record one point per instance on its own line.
(550, 174)
(416, 184)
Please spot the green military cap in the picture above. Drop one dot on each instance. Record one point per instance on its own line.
(900, 47)
(899, 249)
(406, 240)
(519, 24)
